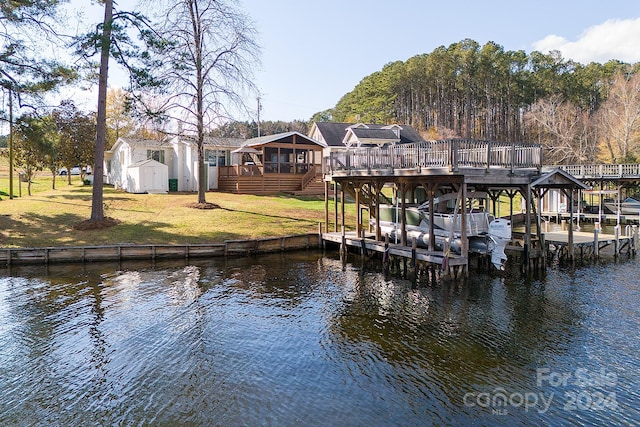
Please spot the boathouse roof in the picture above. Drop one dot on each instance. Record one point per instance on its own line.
(557, 178)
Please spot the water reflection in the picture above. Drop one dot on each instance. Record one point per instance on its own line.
(303, 339)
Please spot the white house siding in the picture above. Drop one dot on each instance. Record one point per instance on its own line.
(180, 157)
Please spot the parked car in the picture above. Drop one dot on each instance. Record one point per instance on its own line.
(74, 171)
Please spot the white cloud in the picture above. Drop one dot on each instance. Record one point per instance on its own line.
(613, 39)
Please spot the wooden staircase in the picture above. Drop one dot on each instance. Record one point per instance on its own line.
(314, 187)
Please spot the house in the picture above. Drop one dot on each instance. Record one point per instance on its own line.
(338, 136)
(285, 162)
(180, 155)
(129, 152)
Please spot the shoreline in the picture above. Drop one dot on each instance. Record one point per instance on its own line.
(126, 252)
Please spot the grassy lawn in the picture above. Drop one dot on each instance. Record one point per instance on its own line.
(46, 218)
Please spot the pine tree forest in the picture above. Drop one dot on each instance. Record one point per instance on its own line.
(580, 113)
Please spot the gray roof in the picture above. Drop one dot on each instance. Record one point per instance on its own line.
(214, 141)
(334, 132)
(559, 178)
(364, 133)
(270, 138)
(223, 142)
(146, 142)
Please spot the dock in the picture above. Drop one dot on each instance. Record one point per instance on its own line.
(417, 173)
(451, 264)
(591, 244)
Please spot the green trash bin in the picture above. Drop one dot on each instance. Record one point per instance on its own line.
(173, 184)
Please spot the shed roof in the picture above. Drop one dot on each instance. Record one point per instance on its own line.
(147, 163)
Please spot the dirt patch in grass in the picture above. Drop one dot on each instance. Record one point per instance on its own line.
(89, 224)
(203, 206)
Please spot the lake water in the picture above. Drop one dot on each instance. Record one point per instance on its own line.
(303, 339)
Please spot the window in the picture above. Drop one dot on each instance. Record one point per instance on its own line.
(157, 155)
(216, 157)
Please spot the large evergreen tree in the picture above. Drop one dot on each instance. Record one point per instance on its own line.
(110, 39)
(485, 92)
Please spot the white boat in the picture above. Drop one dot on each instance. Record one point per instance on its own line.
(486, 234)
(629, 206)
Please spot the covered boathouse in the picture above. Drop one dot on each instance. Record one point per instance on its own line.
(416, 173)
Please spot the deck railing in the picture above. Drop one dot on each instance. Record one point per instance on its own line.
(452, 154)
(603, 170)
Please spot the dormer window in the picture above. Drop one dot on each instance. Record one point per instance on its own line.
(395, 128)
(358, 126)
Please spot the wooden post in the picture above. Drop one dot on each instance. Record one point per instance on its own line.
(596, 244)
(570, 232)
(385, 255)
(342, 207)
(464, 250)
(403, 219)
(326, 204)
(538, 207)
(543, 248)
(371, 207)
(378, 231)
(320, 241)
(335, 204)
(527, 220)
(357, 190)
(432, 236)
(616, 240)
(414, 250)
(511, 195)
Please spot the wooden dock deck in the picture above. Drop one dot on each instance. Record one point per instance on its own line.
(594, 242)
(368, 244)
(580, 238)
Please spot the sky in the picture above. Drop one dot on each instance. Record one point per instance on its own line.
(314, 52)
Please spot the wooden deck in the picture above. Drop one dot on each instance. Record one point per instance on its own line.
(603, 171)
(352, 240)
(436, 158)
(251, 179)
(581, 238)
(592, 243)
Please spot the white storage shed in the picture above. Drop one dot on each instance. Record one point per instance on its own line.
(147, 176)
